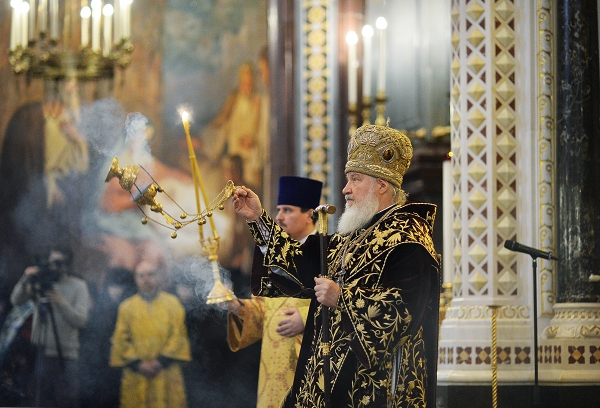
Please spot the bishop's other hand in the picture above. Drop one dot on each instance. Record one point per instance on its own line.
(327, 292)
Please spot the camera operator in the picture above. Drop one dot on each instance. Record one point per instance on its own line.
(62, 307)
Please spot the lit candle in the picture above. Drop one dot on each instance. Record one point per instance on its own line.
(15, 27)
(85, 26)
(96, 17)
(117, 20)
(54, 19)
(24, 11)
(352, 39)
(31, 20)
(108, 12)
(367, 33)
(127, 19)
(43, 16)
(185, 118)
(381, 24)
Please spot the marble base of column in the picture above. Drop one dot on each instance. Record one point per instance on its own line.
(570, 345)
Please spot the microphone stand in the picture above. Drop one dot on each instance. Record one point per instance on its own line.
(536, 391)
(534, 253)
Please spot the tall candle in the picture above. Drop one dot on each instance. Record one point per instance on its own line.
(24, 11)
(53, 19)
(117, 20)
(85, 26)
(352, 39)
(15, 24)
(108, 12)
(31, 20)
(43, 16)
(185, 118)
(96, 17)
(127, 19)
(367, 33)
(381, 24)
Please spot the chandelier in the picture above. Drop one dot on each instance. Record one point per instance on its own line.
(54, 39)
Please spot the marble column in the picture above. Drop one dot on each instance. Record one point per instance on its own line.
(569, 352)
(578, 150)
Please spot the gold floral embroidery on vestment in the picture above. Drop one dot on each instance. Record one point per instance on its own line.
(379, 317)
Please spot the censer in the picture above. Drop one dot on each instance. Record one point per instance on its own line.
(146, 196)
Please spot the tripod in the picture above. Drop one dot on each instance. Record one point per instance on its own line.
(44, 311)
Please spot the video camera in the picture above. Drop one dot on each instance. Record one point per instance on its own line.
(42, 281)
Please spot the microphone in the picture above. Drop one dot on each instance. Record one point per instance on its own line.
(536, 253)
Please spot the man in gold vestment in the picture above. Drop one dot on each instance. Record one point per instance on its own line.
(150, 342)
(278, 322)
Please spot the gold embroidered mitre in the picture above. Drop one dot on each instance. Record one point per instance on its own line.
(381, 152)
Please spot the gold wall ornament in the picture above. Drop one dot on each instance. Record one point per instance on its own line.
(69, 41)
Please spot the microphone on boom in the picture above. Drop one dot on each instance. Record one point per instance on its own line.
(536, 253)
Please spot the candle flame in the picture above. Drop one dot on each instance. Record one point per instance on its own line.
(351, 37)
(381, 23)
(185, 111)
(108, 10)
(86, 12)
(367, 31)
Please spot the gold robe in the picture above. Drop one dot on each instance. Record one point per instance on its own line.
(145, 331)
(257, 320)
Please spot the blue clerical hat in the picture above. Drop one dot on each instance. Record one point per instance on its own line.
(299, 191)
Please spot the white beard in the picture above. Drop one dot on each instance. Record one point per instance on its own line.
(359, 215)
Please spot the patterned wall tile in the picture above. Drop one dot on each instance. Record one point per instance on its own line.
(315, 82)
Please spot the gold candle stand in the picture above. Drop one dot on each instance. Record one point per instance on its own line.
(219, 293)
(380, 102)
(352, 111)
(366, 111)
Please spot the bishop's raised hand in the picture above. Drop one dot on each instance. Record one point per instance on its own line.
(246, 203)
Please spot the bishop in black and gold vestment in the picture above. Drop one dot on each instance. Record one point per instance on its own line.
(383, 274)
